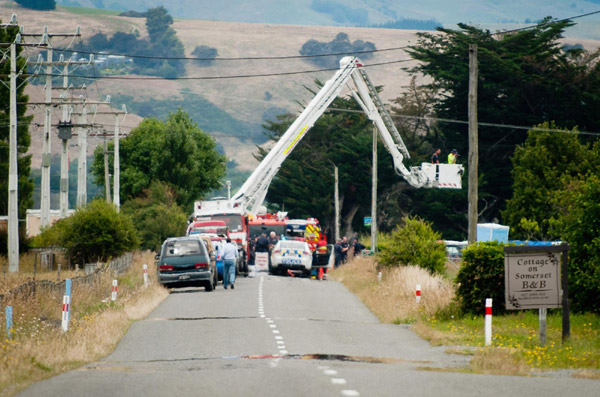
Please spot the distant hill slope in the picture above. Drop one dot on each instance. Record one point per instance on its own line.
(355, 12)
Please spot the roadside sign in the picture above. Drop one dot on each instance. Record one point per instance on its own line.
(536, 277)
(532, 280)
(368, 220)
(261, 261)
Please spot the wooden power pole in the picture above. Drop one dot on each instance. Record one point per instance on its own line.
(336, 196)
(473, 144)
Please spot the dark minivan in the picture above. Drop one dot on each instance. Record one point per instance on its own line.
(186, 261)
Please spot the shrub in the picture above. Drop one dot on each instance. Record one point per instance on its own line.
(157, 215)
(414, 244)
(579, 225)
(481, 276)
(93, 233)
(206, 52)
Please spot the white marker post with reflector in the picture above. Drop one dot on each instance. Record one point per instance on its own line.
(488, 322)
(146, 276)
(65, 313)
(113, 296)
(418, 293)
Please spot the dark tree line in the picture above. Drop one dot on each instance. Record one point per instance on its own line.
(525, 78)
(162, 42)
(341, 44)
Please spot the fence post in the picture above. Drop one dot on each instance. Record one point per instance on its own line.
(65, 313)
(68, 293)
(113, 296)
(145, 275)
(9, 322)
(58, 272)
(488, 322)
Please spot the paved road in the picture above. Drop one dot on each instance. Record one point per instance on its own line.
(276, 336)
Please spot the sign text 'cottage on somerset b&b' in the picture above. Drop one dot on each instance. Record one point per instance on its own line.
(533, 277)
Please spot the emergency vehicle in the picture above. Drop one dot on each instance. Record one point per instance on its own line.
(248, 200)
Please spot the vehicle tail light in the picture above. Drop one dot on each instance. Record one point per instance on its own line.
(165, 268)
(202, 265)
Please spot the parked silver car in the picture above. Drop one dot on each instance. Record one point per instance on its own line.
(186, 261)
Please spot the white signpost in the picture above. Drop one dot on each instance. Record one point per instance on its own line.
(535, 277)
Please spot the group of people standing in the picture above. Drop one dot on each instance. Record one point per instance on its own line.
(435, 158)
(341, 248)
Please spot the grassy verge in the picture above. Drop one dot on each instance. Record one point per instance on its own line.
(39, 349)
(515, 346)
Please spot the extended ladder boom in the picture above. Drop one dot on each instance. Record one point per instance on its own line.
(252, 194)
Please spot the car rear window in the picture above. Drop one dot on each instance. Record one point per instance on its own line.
(294, 245)
(183, 247)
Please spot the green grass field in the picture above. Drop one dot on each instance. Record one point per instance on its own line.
(89, 11)
(518, 335)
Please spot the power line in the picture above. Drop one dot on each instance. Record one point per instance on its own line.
(239, 76)
(235, 58)
(544, 24)
(497, 125)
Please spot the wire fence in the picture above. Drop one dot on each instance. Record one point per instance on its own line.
(93, 272)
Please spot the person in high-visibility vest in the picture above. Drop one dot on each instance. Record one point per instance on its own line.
(322, 245)
(452, 156)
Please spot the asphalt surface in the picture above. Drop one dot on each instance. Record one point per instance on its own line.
(282, 336)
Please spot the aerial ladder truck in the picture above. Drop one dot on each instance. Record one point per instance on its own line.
(250, 197)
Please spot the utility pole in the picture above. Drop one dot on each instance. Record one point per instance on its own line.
(117, 166)
(45, 197)
(337, 204)
(82, 159)
(46, 146)
(64, 137)
(374, 194)
(228, 183)
(13, 177)
(473, 144)
(106, 173)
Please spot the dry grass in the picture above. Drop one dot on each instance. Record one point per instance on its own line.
(587, 374)
(394, 300)
(31, 269)
(39, 348)
(499, 362)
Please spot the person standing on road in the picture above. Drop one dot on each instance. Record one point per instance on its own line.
(273, 240)
(345, 247)
(262, 243)
(230, 254)
(337, 252)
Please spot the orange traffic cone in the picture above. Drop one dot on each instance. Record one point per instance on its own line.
(320, 273)
(290, 273)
